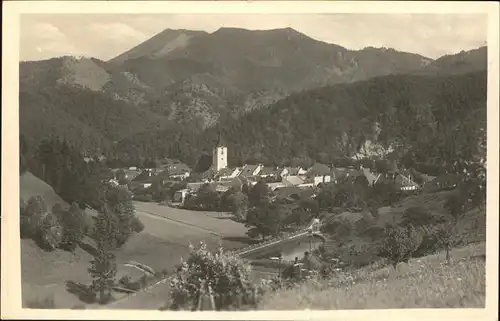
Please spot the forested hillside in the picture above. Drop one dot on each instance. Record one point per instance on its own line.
(172, 95)
(436, 118)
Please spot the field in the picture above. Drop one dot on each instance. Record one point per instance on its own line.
(161, 244)
(30, 186)
(426, 282)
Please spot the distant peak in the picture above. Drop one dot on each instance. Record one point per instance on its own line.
(230, 29)
(235, 29)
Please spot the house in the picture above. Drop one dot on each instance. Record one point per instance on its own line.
(371, 177)
(318, 169)
(292, 180)
(268, 171)
(405, 183)
(194, 187)
(402, 182)
(250, 170)
(320, 173)
(292, 171)
(274, 186)
(114, 182)
(306, 185)
(293, 193)
(227, 172)
(322, 179)
(224, 185)
(143, 180)
(178, 171)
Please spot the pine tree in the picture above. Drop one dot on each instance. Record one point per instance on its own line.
(73, 226)
(120, 204)
(103, 266)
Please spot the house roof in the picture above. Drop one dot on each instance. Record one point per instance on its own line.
(276, 185)
(194, 186)
(131, 174)
(226, 171)
(288, 191)
(402, 180)
(371, 177)
(231, 182)
(318, 169)
(292, 180)
(144, 177)
(248, 170)
(342, 172)
(268, 170)
(178, 169)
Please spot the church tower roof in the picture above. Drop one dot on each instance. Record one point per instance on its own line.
(220, 141)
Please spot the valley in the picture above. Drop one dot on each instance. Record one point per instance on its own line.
(135, 170)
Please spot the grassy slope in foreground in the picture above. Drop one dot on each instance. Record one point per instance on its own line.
(160, 245)
(426, 282)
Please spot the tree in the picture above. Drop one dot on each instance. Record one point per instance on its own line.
(223, 275)
(383, 193)
(74, 228)
(338, 228)
(303, 214)
(208, 198)
(258, 194)
(401, 243)
(103, 266)
(236, 202)
(121, 177)
(121, 206)
(326, 196)
(349, 196)
(418, 216)
(266, 220)
(447, 233)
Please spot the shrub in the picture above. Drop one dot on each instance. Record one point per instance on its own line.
(32, 216)
(419, 216)
(51, 232)
(400, 244)
(338, 228)
(430, 243)
(226, 275)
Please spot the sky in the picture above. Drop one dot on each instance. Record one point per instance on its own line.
(105, 36)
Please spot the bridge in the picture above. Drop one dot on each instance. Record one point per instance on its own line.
(313, 230)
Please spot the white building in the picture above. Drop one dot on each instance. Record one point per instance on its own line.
(219, 157)
(322, 179)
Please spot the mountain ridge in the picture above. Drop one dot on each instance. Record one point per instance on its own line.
(212, 77)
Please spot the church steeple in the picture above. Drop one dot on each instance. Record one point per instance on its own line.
(219, 159)
(220, 142)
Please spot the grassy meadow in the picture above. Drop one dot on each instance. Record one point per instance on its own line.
(164, 240)
(426, 282)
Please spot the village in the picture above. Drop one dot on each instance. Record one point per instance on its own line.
(285, 182)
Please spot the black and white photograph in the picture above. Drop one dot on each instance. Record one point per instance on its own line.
(233, 161)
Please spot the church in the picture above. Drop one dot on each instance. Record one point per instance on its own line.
(215, 166)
